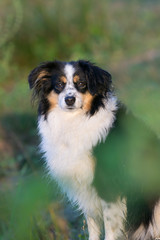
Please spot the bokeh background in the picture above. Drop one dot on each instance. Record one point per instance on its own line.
(120, 36)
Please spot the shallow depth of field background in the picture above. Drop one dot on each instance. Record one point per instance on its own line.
(120, 36)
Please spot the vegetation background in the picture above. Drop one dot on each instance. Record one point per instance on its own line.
(119, 35)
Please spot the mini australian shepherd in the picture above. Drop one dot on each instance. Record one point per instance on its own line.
(77, 109)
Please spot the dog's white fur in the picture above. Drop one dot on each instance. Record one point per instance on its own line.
(68, 135)
(67, 139)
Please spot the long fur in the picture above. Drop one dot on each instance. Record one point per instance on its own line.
(76, 111)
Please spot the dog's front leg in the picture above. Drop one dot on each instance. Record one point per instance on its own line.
(95, 228)
(90, 204)
(114, 215)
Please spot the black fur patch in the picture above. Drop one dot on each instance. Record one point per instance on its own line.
(97, 103)
(139, 211)
(48, 67)
(43, 107)
(98, 80)
(45, 84)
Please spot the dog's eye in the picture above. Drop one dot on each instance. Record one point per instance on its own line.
(59, 86)
(81, 84)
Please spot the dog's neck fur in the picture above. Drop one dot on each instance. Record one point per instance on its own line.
(67, 137)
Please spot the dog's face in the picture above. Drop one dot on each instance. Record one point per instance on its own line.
(70, 86)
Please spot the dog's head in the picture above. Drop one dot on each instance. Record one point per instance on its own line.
(70, 86)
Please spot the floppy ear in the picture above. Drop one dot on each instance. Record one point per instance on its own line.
(98, 80)
(40, 77)
(40, 72)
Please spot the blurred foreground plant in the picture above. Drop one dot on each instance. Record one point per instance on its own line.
(26, 205)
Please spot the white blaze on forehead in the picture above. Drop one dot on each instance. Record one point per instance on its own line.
(69, 70)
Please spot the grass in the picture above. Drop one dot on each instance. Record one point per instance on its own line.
(121, 36)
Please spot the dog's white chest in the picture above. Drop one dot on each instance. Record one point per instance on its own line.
(67, 140)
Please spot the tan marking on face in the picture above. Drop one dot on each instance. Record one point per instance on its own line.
(76, 79)
(53, 100)
(41, 77)
(42, 74)
(87, 101)
(63, 79)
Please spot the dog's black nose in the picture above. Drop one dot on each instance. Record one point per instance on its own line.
(70, 100)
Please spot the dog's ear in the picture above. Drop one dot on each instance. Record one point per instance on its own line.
(98, 80)
(40, 77)
(42, 71)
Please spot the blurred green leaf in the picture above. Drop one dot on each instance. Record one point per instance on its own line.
(31, 196)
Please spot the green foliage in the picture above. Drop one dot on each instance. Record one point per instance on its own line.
(30, 198)
(128, 160)
(26, 208)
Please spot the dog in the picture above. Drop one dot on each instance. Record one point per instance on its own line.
(77, 109)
